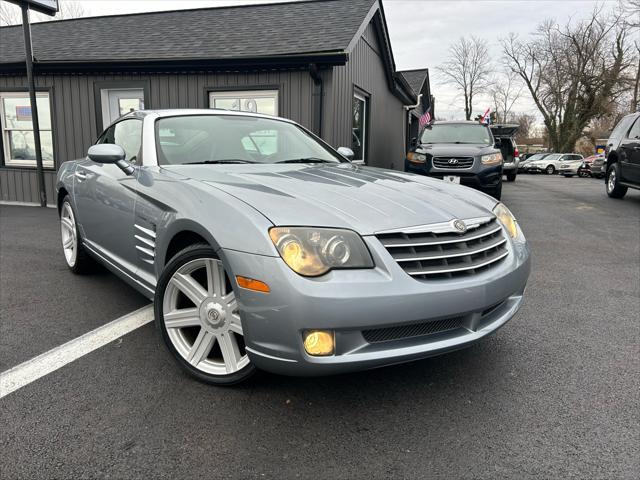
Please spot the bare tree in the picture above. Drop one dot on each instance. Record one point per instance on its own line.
(469, 68)
(505, 91)
(526, 123)
(572, 72)
(10, 14)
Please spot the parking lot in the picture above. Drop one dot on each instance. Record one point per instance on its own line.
(554, 393)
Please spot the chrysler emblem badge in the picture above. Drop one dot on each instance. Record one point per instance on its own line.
(460, 226)
(453, 161)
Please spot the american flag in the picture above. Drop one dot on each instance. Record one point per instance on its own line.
(426, 118)
(486, 117)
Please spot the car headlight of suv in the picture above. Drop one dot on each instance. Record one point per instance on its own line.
(414, 157)
(507, 219)
(491, 159)
(312, 251)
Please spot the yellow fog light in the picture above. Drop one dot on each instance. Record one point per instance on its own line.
(318, 342)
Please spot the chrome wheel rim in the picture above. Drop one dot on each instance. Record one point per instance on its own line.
(611, 183)
(202, 320)
(69, 234)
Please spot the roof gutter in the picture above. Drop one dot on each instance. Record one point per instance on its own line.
(298, 61)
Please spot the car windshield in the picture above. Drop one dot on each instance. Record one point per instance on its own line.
(223, 139)
(457, 133)
(553, 156)
(537, 156)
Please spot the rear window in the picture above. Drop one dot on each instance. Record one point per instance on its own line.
(457, 133)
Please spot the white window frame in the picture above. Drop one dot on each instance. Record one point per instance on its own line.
(365, 118)
(236, 94)
(105, 97)
(15, 162)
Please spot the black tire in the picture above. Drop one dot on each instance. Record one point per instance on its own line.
(511, 177)
(186, 255)
(83, 262)
(612, 184)
(495, 192)
(550, 170)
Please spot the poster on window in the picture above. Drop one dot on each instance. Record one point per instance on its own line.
(23, 113)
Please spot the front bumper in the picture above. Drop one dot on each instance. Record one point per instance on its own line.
(352, 301)
(479, 176)
(568, 171)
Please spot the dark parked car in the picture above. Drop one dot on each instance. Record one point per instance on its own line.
(503, 134)
(599, 167)
(459, 152)
(522, 166)
(623, 156)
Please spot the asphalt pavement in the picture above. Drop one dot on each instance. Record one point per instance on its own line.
(554, 394)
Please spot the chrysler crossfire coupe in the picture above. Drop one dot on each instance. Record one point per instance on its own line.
(264, 248)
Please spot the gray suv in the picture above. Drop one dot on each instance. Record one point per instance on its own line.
(263, 247)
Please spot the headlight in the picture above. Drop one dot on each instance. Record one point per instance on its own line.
(491, 159)
(414, 157)
(314, 251)
(507, 219)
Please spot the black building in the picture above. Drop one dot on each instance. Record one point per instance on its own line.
(326, 64)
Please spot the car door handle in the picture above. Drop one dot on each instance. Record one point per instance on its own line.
(81, 176)
(636, 148)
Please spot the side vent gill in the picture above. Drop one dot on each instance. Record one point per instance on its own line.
(145, 239)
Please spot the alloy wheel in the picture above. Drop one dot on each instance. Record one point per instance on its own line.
(611, 181)
(202, 320)
(69, 234)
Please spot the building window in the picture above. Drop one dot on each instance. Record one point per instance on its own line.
(255, 101)
(17, 129)
(359, 127)
(117, 102)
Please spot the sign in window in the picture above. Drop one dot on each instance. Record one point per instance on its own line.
(17, 129)
(256, 101)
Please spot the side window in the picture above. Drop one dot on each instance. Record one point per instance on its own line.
(127, 134)
(635, 130)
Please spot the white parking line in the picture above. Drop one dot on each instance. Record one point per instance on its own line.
(31, 370)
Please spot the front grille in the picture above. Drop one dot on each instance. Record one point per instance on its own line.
(453, 163)
(378, 335)
(429, 255)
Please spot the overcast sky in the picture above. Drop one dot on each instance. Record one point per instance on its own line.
(422, 30)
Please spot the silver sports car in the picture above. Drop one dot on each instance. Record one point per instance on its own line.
(263, 247)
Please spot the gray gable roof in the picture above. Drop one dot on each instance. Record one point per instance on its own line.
(415, 78)
(249, 31)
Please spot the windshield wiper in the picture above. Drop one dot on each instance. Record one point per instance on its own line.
(209, 162)
(305, 160)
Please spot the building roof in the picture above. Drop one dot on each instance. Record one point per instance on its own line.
(415, 78)
(237, 32)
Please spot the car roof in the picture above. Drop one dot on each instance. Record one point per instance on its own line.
(457, 122)
(177, 112)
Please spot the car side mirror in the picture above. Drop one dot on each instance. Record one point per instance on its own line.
(110, 153)
(414, 142)
(346, 152)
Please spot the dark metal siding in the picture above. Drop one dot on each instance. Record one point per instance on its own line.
(365, 71)
(74, 111)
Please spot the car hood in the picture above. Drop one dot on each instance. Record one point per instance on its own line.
(364, 199)
(455, 149)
